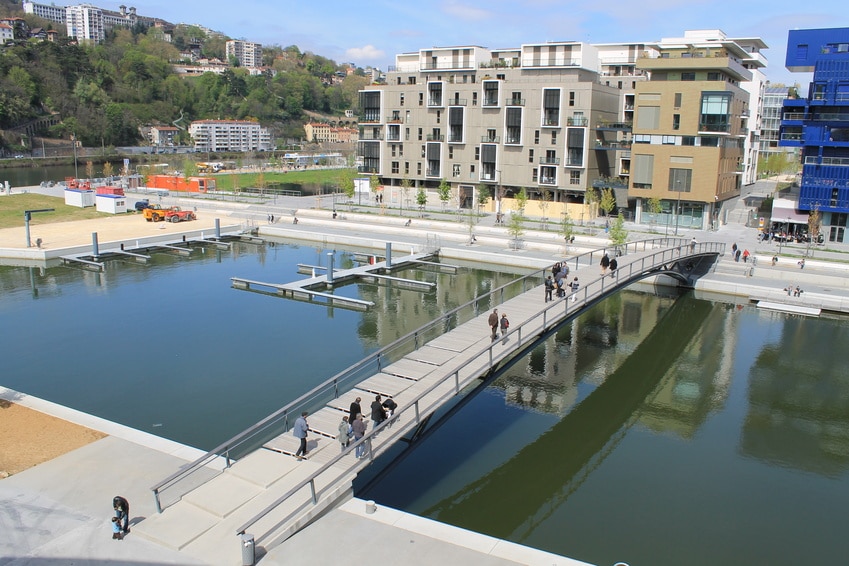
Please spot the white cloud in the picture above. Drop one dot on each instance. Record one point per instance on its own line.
(364, 53)
(465, 12)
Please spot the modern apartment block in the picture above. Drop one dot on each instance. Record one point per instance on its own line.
(560, 118)
(690, 129)
(771, 106)
(85, 23)
(229, 135)
(246, 53)
(819, 124)
(489, 119)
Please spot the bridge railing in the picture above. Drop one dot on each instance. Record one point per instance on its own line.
(479, 361)
(222, 456)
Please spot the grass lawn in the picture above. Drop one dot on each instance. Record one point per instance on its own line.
(12, 209)
(226, 181)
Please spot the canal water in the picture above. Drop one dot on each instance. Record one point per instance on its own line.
(654, 429)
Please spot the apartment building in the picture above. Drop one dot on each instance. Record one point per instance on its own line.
(229, 135)
(7, 33)
(690, 134)
(85, 23)
(161, 136)
(317, 131)
(489, 120)
(246, 53)
(771, 105)
(47, 11)
(819, 125)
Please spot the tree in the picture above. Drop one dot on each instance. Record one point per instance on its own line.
(590, 198)
(421, 199)
(89, 169)
(567, 227)
(516, 228)
(608, 201)
(814, 226)
(108, 169)
(374, 184)
(405, 189)
(444, 191)
(190, 168)
(483, 196)
(618, 234)
(521, 200)
(654, 206)
(347, 184)
(544, 203)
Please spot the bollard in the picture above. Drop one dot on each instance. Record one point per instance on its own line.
(388, 255)
(370, 506)
(94, 249)
(330, 258)
(248, 549)
(217, 229)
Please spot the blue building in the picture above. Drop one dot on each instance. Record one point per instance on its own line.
(819, 124)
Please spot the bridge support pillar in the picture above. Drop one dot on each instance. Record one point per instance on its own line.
(388, 255)
(95, 250)
(330, 258)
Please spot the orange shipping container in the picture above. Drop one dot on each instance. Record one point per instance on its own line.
(178, 183)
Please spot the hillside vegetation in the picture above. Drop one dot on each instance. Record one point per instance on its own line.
(103, 93)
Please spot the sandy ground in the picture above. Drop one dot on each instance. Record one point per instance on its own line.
(112, 229)
(29, 437)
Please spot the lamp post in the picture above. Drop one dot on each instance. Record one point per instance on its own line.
(677, 205)
(74, 139)
(27, 217)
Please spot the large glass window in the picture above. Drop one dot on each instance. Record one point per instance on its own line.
(715, 112)
(680, 180)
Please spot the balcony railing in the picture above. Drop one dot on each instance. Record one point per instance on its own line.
(365, 169)
(435, 138)
(432, 172)
(369, 118)
(836, 161)
(549, 161)
(455, 138)
(490, 102)
(794, 116)
(574, 162)
(616, 126)
(393, 136)
(791, 137)
(609, 184)
(548, 180)
(457, 102)
(831, 117)
(551, 121)
(513, 140)
(488, 177)
(718, 128)
(579, 121)
(445, 66)
(490, 139)
(434, 102)
(514, 102)
(371, 136)
(395, 119)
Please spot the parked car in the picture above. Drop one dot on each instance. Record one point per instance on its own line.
(142, 204)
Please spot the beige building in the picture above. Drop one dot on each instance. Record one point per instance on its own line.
(689, 131)
(248, 54)
(317, 131)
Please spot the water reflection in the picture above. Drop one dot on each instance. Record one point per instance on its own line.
(799, 399)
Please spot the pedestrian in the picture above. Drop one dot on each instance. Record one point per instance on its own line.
(746, 255)
(734, 249)
(549, 288)
(605, 263)
(38, 242)
(493, 323)
(295, 220)
(408, 222)
(354, 410)
(116, 529)
(122, 512)
(505, 324)
(802, 263)
(359, 430)
(737, 255)
(390, 405)
(300, 431)
(378, 413)
(344, 431)
(613, 266)
(693, 243)
(574, 286)
(774, 260)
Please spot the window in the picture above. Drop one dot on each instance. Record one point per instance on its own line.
(688, 140)
(474, 99)
(680, 180)
(455, 170)
(514, 126)
(477, 154)
(677, 100)
(450, 152)
(411, 80)
(438, 115)
(648, 117)
(406, 168)
(419, 168)
(407, 134)
(490, 93)
(395, 167)
(688, 76)
(676, 121)
(574, 177)
(421, 99)
(551, 107)
(424, 150)
(420, 134)
(642, 170)
(536, 137)
(472, 170)
(530, 156)
(393, 150)
(402, 99)
(400, 150)
(714, 76)
(553, 138)
(534, 174)
(715, 112)
(668, 140)
(572, 98)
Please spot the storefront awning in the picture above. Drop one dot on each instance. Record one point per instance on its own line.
(784, 210)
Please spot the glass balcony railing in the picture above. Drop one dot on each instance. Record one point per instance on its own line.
(514, 102)
(579, 121)
(490, 139)
(435, 138)
(549, 161)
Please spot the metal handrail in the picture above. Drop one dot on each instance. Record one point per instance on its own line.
(379, 359)
(598, 291)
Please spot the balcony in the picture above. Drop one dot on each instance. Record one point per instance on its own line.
(715, 128)
(393, 136)
(490, 103)
(490, 139)
(833, 161)
(455, 138)
(457, 102)
(365, 169)
(609, 184)
(434, 102)
(603, 145)
(371, 136)
(514, 102)
(513, 139)
(445, 66)
(717, 63)
(369, 118)
(432, 171)
(550, 180)
(488, 177)
(794, 116)
(435, 138)
(395, 119)
(549, 161)
(552, 121)
(831, 117)
(614, 126)
(579, 121)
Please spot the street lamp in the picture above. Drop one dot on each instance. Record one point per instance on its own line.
(677, 205)
(74, 140)
(27, 217)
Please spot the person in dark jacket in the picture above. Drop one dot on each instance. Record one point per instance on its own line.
(355, 410)
(605, 263)
(378, 413)
(122, 512)
(613, 265)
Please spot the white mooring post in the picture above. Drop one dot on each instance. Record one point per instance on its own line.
(330, 258)
(388, 255)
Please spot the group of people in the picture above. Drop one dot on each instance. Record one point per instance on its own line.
(353, 425)
(796, 292)
(121, 519)
(736, 253)
(496, 323)
(608, 263)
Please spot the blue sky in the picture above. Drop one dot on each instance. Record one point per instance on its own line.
(371, 32)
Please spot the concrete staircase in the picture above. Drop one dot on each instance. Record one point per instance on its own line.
(203, 523)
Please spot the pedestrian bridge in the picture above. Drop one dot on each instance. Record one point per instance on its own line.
(251, 483)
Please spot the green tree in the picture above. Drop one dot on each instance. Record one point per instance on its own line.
(421, 200)
(618, 234)
(544, 203)
(654, 206)
(483, 195)
(373, 184)
(444, 192)
(405, 190)
(567, 227)
(516, 228)
(108, 170)
(608, 201)
(521, 200)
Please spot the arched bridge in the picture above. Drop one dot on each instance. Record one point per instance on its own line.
(252, 483)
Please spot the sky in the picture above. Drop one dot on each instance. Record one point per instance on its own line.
(372, 32)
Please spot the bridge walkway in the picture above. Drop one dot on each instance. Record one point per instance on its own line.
(267, 492)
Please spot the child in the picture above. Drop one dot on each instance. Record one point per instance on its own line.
(116, 529)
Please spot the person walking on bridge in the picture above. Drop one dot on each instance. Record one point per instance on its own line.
(359, 429)
(355, 410)
(613, 266)
(549, 288)
(605, 263)
(493, 323)
(300, 432)
(378, 411)
(693, 243)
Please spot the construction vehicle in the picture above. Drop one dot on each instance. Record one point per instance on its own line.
(171, 214)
